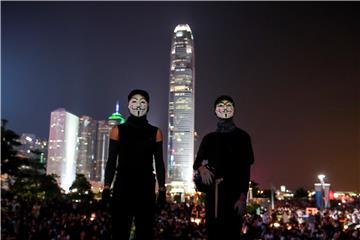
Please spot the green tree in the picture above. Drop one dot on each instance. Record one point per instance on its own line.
(49, 188)
(10, 162)
(252, 207)
(33, 183)
(27, 177)
(81, 189)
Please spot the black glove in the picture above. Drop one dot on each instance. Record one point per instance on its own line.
(161, 200)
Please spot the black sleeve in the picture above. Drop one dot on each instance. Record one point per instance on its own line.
(201, 154)
(246, 168)
(245, 179)
(111, 162)
(250, 153)
(159, 164)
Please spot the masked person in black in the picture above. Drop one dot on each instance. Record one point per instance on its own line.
(223, 162)
(133, 146)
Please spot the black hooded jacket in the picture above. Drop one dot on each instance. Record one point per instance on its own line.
(230, 154)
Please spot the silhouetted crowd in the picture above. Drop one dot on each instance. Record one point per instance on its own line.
(53, 220)
(293, 223)
(65, 219)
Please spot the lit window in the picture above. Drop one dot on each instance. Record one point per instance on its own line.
(179, 34)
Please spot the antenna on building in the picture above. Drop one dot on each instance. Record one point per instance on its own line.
(117, 106)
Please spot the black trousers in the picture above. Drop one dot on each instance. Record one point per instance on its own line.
(227, 224)
(133, 202)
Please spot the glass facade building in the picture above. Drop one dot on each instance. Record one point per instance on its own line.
(86, 146)
(181, 110)
(102, 151)
(102, 144)
(62, 150)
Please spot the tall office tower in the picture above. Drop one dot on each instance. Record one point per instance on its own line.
(181, 110)
(102, 151)
(86, 146)
(102, 144)
(62, 151)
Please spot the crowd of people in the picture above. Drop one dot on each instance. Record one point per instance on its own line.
(55, 219)
(294, 223)
(66, 219)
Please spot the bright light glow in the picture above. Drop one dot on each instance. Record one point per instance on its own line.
(179, 34)
(196, 220)
(177, 190)
(276, 224)
(117, 106)
(182, 27)
(28, 138)
(69, 168)
(321, 177)
(188, 49)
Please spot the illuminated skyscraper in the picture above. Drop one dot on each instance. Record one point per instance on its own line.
(181, 110)
(62, 151)
(86, 146)
(102, 151)
(102, 144)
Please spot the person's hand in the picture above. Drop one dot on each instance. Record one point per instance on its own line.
(206, 175)
(240, 207)
(161, 200)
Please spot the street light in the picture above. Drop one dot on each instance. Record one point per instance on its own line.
(323, 196)
(321, 178)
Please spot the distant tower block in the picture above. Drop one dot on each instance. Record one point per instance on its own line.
(102, 145)
(62, 152)
(181, 110)
(86, 146)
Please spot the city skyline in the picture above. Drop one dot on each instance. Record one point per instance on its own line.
(77, 145)
(292, 69)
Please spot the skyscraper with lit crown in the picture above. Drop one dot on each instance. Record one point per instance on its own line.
(181, 110)
(102, 144)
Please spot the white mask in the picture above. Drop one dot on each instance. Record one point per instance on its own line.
(138, 106)
(224, 109)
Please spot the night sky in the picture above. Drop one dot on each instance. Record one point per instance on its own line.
(293, 69)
